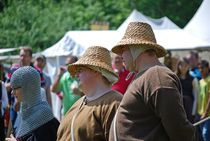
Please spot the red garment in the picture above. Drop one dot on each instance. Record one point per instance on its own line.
(125, 78)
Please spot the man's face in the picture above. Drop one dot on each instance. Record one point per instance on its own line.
(193, 60)
(85, 76)
(118, 61)
(127, 58)
(18, 94)
(25, 58)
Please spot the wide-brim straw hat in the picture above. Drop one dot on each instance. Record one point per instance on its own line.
(97, 58)
(139, 34)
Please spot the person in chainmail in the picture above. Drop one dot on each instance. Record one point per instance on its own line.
(36, 122)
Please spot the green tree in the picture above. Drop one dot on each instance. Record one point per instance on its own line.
(41, 23)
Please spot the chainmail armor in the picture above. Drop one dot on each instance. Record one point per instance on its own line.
(33, 111)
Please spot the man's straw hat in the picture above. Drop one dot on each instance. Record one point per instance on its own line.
(139, 34)
(96, 58)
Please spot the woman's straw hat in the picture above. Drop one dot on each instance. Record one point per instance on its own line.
(139, 34)
(97, 58)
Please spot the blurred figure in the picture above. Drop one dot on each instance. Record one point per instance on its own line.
(190, 89)
(37, 122)
(125, 77)
(171, 62)
(204, 99)
(193, 59)
(66, 84)
(3, 105)
(40, 63)
(2, 73)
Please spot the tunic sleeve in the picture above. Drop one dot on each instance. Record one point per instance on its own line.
(168, 106)
(109, 113)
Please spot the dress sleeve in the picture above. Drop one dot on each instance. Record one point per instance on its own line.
(168, 107)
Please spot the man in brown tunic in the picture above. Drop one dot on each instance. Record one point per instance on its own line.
(90, 118)
(151, 109)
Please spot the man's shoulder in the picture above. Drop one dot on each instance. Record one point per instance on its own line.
(66, 74)
(159, 71)
(159, 77)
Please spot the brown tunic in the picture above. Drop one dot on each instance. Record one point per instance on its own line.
(152, 109)
(93, 121)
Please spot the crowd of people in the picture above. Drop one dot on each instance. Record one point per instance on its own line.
(124, 94)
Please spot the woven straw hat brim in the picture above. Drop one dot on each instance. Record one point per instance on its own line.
(160, 51)
(73, 68)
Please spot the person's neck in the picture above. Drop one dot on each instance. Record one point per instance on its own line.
(23, 65)
(97, 92)
(146, 63)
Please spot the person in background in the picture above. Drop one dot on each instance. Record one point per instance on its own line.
(6, 109)
(3, 105)
(66, 84)
(89, 119)
(190, 89)
(204, 99)
(2, 73)
(125, 77)
(37, 122)
(171, 61)
(151, 108)
(40, 63)
(193, 59)
(25, 59)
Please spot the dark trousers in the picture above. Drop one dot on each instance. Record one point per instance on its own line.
(199, 136)
(2, 130)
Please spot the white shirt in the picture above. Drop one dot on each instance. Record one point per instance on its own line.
(4, 98)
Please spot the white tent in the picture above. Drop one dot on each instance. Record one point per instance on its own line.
(7, 57)
(178, 39)
(4, 50)
(89, 38)
(199, 24)
(162, 23)
(66, 46)
(171, 39)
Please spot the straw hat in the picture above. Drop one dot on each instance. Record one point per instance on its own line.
(139, 34)
(96, 58)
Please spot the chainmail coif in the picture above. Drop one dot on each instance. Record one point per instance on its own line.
(33, 111)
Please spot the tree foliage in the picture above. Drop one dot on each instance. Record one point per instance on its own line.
(41, 23)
